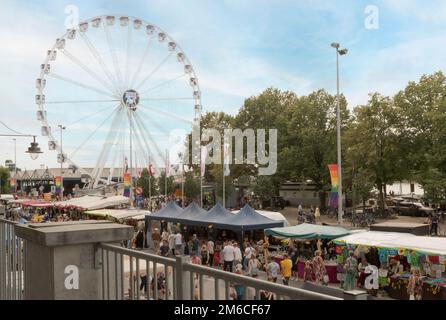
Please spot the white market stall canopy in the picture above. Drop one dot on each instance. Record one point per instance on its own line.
(308, 231)
(119, 214)
(394, 240)
(6, 197)
(94, 202)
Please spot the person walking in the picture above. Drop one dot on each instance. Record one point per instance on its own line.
(178, 243)
(239, 289)
(308, 271)
(238, 254)
(249, 251)
(171, 241)
(210, 247)
(164, 249)
(165, 236)
(273, 270)
(228, 257)
(156, 238)
(434, 224)
(319, 269)
(415, 286)
(286, 265)
(299, 212)
(204, 254)
(254, 266)
(265, 248)
(317, 213)
(195, 245)
(351, 270)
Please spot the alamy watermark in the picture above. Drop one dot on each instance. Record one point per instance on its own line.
(371, 21)
(260, 151)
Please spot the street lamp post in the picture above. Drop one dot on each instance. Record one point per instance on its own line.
(62, 128)
(33, 149)
(339, 52)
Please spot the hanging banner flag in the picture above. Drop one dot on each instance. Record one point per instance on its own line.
(150, 170)
(204, 153)
(126, 165)
(334, 185)
(12, 182)
(138, 171)
(58, 184)
(127, 183)
(167, 164)
(227, 172)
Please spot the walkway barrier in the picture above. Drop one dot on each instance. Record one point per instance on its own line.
(11, 262)
(149, 276)
(84, 261)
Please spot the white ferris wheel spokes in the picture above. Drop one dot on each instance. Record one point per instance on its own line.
(120, 85)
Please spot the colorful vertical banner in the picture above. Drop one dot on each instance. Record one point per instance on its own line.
(12, 182)
(127, 183)
(334, 185)
(58, 184)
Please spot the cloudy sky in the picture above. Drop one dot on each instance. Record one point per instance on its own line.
(237, 47)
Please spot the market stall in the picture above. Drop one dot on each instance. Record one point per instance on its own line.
(396, 254)
(193, 212)
(304, 233)
(170, 213)
(308, 231)
(118, 215)
(90, 202)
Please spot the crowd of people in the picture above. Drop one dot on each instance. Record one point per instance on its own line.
(253, 259)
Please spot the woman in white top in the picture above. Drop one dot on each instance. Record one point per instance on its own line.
(254, 266)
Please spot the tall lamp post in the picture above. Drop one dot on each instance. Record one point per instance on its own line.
(339, 52)
(62, 160)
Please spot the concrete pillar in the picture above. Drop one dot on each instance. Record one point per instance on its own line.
(182, 282)
(62, 261)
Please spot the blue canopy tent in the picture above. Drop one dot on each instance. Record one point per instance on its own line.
(169, 213)
(216, 217)
(248, 219)
(192, 213)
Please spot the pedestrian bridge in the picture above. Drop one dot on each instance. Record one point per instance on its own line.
(83, 260)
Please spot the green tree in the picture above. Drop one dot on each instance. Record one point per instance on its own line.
(374, 143)
(162, 184)
(421, 108)
(271, 109)
(5, 174)
(191, 186)
(311, 140)
(147, 181)
(265, 187)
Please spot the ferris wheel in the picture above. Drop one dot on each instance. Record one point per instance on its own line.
(119, 86)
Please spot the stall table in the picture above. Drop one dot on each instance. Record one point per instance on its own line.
(433, 289)
(330, 267)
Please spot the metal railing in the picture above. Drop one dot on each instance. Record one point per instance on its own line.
(133, 275)
(11, 262)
